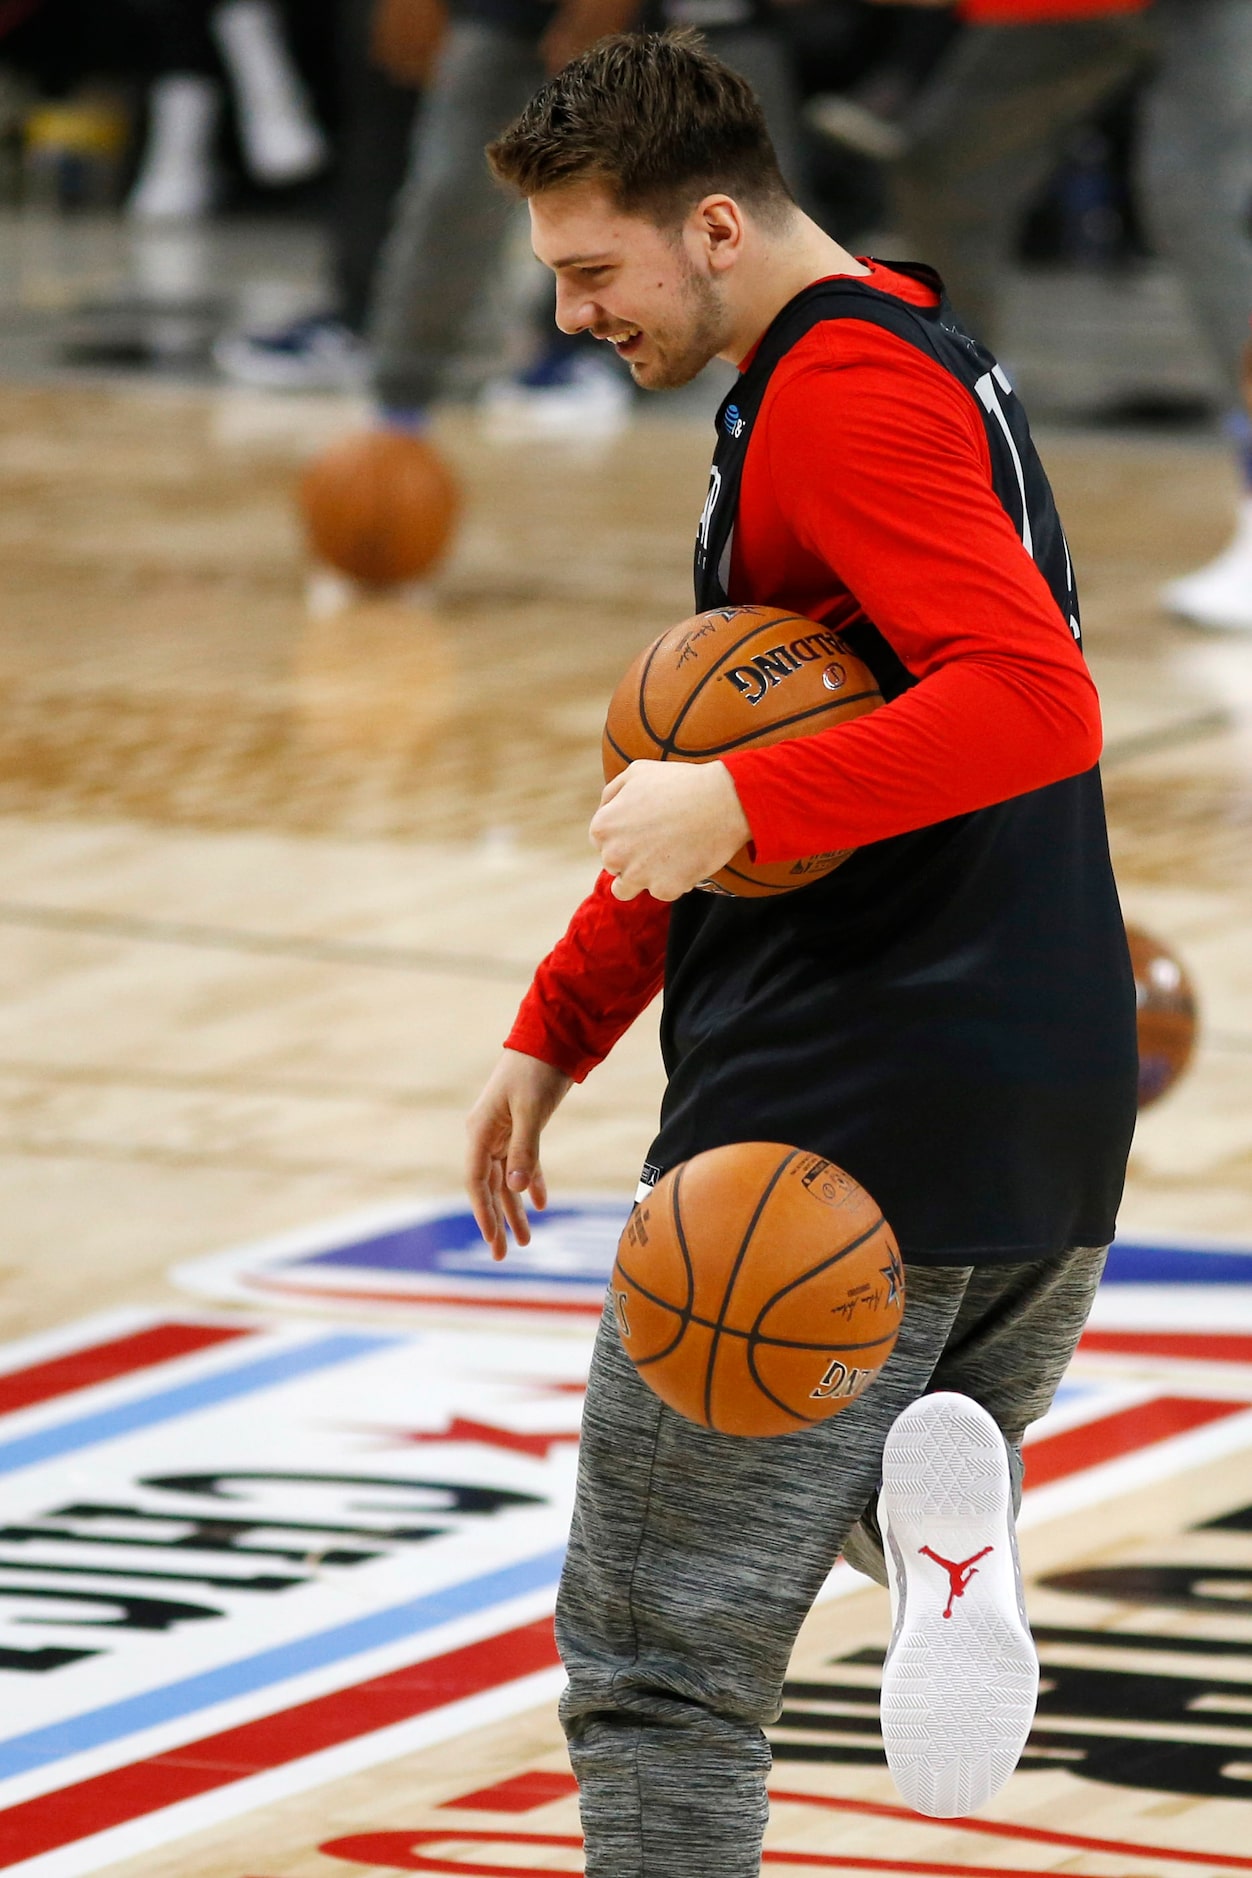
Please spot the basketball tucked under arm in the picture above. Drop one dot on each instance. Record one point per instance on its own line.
(870, 475)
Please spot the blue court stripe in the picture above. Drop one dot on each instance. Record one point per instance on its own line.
(1074, 1392)
(97, 1727)
(1131, 1264)
(223, 1385)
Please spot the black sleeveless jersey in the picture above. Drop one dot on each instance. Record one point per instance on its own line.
(949, 1015)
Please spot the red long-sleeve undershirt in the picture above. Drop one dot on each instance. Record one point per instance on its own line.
(866, 492)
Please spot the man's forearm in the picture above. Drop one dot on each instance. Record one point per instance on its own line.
(605, 969)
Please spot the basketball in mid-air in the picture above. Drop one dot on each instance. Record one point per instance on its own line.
(1165, 1009)
(380, 506)
(758, 1289)
(738, 678)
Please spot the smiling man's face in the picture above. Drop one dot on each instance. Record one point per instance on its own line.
(640, 288)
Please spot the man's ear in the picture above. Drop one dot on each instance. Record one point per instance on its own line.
(718, 226)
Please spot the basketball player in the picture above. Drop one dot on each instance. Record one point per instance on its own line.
(949, 1015)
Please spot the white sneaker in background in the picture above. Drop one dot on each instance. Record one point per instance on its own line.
(584, 399)
(1219, 595)
(845, 120)
(961, 1677)
(177, 180)
(281, 139)
(317, 353)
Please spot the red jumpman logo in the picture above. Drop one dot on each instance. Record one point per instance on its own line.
(959, 1572)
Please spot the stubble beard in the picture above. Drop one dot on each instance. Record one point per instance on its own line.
(682, 355)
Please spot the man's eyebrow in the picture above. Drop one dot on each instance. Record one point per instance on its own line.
(578, 260)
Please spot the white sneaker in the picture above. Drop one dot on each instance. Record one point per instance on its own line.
(589, 399)
(281, 139)
(1219, 595)
(961, 1677)
(177, 180)
(844, 120)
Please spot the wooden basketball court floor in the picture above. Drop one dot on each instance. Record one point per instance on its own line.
(271, 883)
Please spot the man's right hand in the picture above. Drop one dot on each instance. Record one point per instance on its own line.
(502, 1146)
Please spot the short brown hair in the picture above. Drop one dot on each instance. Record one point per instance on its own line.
(656, 118)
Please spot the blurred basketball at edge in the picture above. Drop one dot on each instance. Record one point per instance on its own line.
(1166, 1013)
(380, 506)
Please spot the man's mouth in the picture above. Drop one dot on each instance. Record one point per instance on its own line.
(624, 342)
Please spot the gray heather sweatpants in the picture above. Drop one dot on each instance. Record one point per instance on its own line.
(694, 1558)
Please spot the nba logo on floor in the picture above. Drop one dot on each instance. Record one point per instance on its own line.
(424, 1256)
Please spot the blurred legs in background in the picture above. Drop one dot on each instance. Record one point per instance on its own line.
(991, 127)
(869, 112)
(378, 114)
(989, 130)
(1196, 172)
(451, 218)
(279, 136)
(325, 350)
(177, 177)
(281, 139)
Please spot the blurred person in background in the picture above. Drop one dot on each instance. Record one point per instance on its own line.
(1196, 174)
(199, 41)
(992, 125)
(891, 51)
(451, 220)
(385, 49)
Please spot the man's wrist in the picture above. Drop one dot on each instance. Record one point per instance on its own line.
(530, 1037)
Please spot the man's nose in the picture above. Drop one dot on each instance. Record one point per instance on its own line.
(574, 311)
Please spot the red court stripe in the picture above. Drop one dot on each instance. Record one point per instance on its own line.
(527, 1791)
(403, 1851)
(125, 1793)
(1009, 1829)
(590, 1307)
(894, 1867)
(1122, 1433)
(522, 1794)
(102, 1362)
(1202, 1346)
